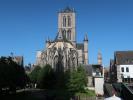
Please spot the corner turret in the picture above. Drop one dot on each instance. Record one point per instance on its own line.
(86, 49)
(47, 42)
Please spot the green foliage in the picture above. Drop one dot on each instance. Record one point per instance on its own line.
(62, 84)
(60, 81)
(46, 77)
(12, 75)
(34, 74)
(77, 81)
(83, 75)
(88, 93)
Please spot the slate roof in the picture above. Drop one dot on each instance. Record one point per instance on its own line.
(124, 57)
(60, 38)
(80, 46)
(92, 68)
(88, 69)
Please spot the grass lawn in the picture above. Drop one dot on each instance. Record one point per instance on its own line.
(88, 93)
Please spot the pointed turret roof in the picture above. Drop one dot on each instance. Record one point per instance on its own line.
(67, 10)
(99, 54)
(47, 40)
(86, 37)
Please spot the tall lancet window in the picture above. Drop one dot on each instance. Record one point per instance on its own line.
(69, 34)
(69, 21)
(64, 21)
(64, 33)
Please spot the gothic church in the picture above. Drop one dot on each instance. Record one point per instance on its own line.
(64, 52)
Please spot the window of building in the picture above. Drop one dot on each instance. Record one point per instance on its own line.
(69, 21)
(131, 79)
(125, 80)
(122, 69)
(64, 21)
(64, 33)
(69, 34)
(127, 69)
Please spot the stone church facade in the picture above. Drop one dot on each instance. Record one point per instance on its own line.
(64, 52)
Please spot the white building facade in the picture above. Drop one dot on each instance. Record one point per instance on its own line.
(126, 73)
(121, 69)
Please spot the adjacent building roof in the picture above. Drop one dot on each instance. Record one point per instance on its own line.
(93, 68)
(111, 61)
(18, 60)
(88, 69)
(124, 57)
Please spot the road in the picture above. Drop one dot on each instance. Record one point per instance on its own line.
(33, 94)
(27, 94)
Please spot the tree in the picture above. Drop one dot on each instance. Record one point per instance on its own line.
(12, 75)
(34, 74)
(46, 77)
(83, 75)
(77, 80)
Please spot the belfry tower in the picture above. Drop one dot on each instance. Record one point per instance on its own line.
(99, 58)
(66, 24)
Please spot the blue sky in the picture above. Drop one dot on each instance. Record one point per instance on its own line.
(26, 24)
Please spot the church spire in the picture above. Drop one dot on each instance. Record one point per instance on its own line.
(86, 37)
(99, 58)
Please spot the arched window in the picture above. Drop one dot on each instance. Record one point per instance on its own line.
(64, 33)
(69, 21)
(64, 21)
(69, 34)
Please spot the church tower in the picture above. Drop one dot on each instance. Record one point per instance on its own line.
(99, 58)
(86, 50)
(66, 24)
